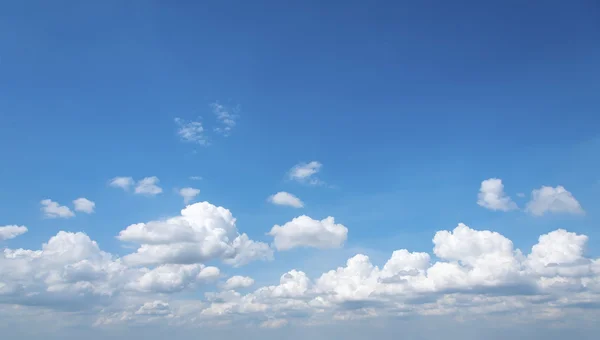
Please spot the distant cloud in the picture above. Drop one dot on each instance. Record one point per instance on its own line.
(285, 198)
(11, 231)
(553, 200)
(122, 182)
(196, 178)
(491, 196)
(188, 194)
(52, 209)
(304, 172)
(520, 194)
(226, 116)
(148, 186)
(236, 282)
(192, 132)
(84, 205)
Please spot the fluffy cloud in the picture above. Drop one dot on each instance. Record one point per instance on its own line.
(474, 273)
(236, 282)
(192, 132)
(285, 198)
(201, 233)
(122, 182)
(52, 209)
(84, 205)
(148, 186)
(303, 231)
(11, 231)
(305, 172)
(188, 194)
(491, 196)
(552, 200)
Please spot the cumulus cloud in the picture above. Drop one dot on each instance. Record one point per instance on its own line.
(84, 205)
(201, 233)
(52, 209)
(191, 132)
(188, 194)
(11, 231)
(469, 273)
(148, 186)
(305, 172)
(237, 282)
(303, 231)
(491, 196)
(122, 182)
(553, 200)
(285, 198)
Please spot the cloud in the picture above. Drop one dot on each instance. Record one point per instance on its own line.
(191, 132)
(475, 274)
(11, 231)
(236, 282)
(188, 194)
(52, 209)
(196, 178)
(84, 205)
(491, 196)
(303, 231)
(148, 186)
(285, 198)
(122, 182)
(226, 116)
(202, 232)
(553, 200)
(304, 172)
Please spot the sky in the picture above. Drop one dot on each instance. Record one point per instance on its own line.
(340, 169)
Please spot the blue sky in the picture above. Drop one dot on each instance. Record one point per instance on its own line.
(406, 107)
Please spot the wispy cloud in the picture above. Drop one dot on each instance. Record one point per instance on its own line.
(226, 116)
(147, 186)
(188, 194)
(52, 209)
(305, 173)
(553, 200)
(191, 131)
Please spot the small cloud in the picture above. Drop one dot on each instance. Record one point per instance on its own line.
(285, 198)
(148, 186)
(491, 196)
(274, 323)
(226, 116)
(192, 132)
(196, 178)
(520, 194)
(305, 173)
(188, 194)
(52, 209)
(236, 282)
(553, 200)
(84, 205)
(11, 231)
(121, 182)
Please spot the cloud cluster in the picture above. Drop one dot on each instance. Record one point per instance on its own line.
(52, 209)
(147, 186)
(469, 272)
(543, 200)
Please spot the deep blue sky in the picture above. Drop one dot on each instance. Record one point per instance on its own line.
(408, 105)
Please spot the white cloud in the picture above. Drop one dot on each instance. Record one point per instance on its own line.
(52, 209)
(122, 182)
(285, 198)
(491, 196)
(188, 194)
(552, 200)
(236, 282)
(172, 278)
(148, 186)
(196, 178)
(201, 233)
(305, 172)
(303, 231)
(226, 116)
(192, 132)
(11, 231)
(274, 323)
(84, 205)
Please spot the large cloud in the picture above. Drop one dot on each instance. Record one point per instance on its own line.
(202, 232)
